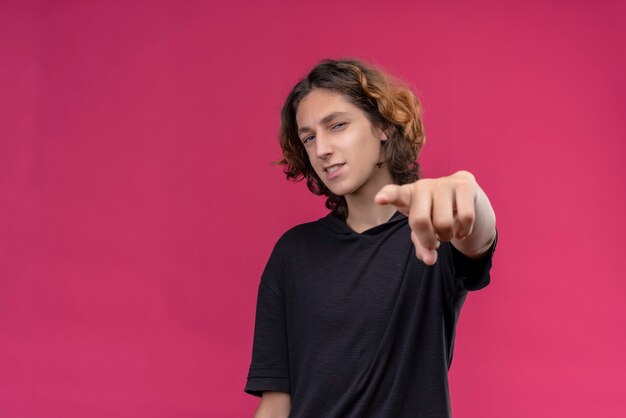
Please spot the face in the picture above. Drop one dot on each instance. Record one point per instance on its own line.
(342, 144)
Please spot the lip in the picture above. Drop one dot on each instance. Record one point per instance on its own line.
(336, 173)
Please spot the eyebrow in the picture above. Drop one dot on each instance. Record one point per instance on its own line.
(325, 119)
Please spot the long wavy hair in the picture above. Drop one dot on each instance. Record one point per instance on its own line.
(386, 101)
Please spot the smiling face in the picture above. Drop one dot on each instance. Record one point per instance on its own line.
(342, 144)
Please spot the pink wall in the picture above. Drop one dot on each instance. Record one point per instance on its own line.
(138, 205)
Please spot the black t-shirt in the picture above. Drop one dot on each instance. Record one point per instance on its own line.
(353, 325)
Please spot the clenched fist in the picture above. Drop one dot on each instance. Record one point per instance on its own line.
(452, 208)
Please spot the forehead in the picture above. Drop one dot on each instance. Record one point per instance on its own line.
(320, 103)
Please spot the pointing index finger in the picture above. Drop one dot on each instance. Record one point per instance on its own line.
(393, 194)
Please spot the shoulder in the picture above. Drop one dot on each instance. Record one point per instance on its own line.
(300, 234)
(291, 245)
(301, 230)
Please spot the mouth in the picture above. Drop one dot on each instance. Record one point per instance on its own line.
(333, 168)
(333, 171)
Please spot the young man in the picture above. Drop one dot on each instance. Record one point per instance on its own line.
(356, 311)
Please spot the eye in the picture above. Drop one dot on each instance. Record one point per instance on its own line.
(307, 139)
(338, 125)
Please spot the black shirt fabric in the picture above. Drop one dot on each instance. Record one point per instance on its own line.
(353, 325)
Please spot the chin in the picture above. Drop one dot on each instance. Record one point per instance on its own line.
(336, 191)
(341, 191)
(343, 187)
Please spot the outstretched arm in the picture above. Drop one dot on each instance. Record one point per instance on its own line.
(452, 208)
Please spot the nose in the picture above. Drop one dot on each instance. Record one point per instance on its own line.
(323, 146)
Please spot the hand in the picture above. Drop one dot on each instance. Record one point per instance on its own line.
(441, 209)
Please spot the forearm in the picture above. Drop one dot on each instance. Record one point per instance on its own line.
(270, 414)
(484, 229)
(274, 404)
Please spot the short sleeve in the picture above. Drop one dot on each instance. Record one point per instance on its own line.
(269, 368)
(472, 274)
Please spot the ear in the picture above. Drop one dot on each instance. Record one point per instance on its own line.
(381, 135)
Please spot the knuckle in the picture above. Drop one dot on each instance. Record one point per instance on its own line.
(466, 174)
(423, 184)
(420, 222)
(466, 218)
(443, 224)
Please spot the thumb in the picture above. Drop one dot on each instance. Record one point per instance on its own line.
(393, 194)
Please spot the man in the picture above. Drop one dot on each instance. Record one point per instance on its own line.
(356, 311)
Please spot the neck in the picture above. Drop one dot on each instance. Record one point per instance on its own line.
(363, 212)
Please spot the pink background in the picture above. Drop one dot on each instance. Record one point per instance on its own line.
(138, 204)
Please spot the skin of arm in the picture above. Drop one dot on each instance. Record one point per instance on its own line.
(452, 208)
(274, 404)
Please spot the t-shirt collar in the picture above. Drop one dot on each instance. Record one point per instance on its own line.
(340, 226)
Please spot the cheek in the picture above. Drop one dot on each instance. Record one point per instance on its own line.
(372, 150)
